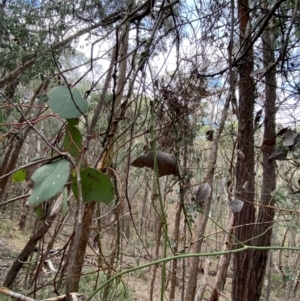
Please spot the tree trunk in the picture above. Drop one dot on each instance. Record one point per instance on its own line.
(28, 249)
(192, 280)
(83, 230)
(263, 228)
(245, 162)
(224, 262)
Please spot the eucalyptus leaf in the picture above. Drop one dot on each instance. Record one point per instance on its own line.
(73, 140)
(203, 193)
(258, 71)
(67, 102)
(96, 186)
(278, 155)
(166, 164)
(236, 205)
(297, 139)
(1, 116)
(48, 180)
(288, 138)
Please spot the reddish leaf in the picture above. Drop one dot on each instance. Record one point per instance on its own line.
(166, 164)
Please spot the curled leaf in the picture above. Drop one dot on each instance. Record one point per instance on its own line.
(203, 193)
(236, 205)
(166, 164)
(288, 138)
(278, 155)
(281, 132)
(73, 140)
(258, 71)
(297, 139)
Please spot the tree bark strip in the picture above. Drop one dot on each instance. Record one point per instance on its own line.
(263, 228)
(192, 280)
(245, 163)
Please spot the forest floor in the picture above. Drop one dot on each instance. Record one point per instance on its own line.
(138, 283)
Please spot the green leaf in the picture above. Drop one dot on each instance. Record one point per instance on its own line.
(73, 140)
(48, 180)
(19, 176)
(39, 211)
(1, 116)
(96, 186)
(67, 105)
(73, 121)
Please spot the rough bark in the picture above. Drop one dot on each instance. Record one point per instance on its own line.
(263, 228)
(245, 163)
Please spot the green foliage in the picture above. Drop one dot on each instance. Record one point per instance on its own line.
(96, 186)
(67, 102)
(118, 290)
(49, 180)
(39, 211)
(19, 176)
(73, 140)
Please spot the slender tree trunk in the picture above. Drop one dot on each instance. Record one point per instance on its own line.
(204, 280)
(28, 249)
(176, 233)
(245, 163)
(224, 262)
(192, 280)
(11, 157)
(78, 246)
(263, 228)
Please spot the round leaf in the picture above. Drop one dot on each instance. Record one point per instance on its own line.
(288, 138)
(96, 186)
(67, 105)
(236, 205)
(278, 155)
(48, 180)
